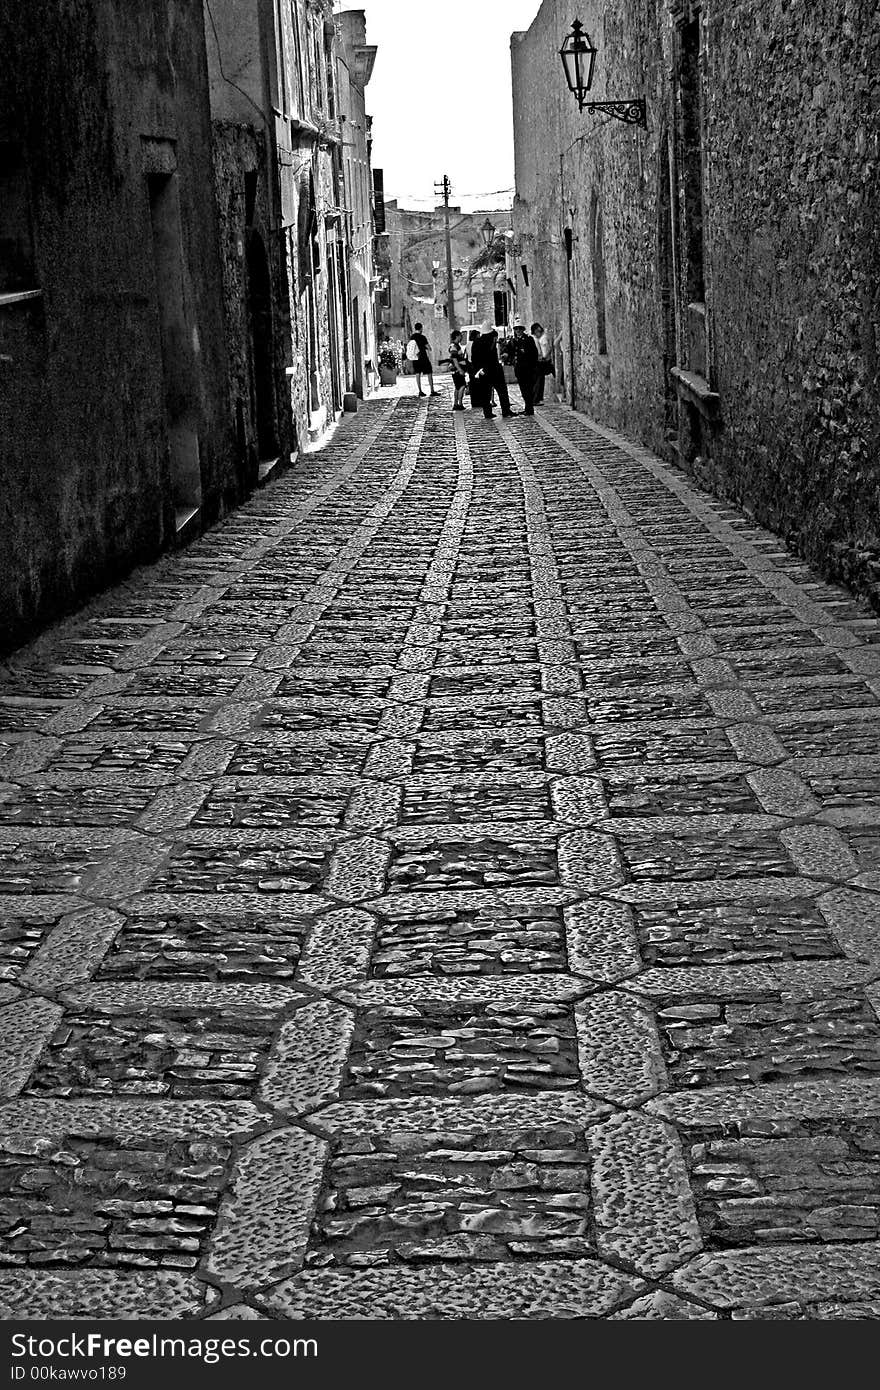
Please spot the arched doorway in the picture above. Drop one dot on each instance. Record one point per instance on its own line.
(259, 286)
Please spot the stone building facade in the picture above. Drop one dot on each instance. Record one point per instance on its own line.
(355, 59)
(416, 250)
(721, 266)
(185, 272)
(285, 102)
(115, 430)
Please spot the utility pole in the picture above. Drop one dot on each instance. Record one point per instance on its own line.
(445, 188)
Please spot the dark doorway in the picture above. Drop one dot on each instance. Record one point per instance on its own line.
(358, 363)
(178, 368)
(597, 247)
(333, 326)
(262, 354)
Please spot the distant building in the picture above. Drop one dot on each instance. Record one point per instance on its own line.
(355, 59)
(417, 271)
(711, 283)
(116, 433)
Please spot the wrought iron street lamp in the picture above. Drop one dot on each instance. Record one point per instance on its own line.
(578, 56)
(487, 231)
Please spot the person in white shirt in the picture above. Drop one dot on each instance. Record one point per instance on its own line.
(545, 360)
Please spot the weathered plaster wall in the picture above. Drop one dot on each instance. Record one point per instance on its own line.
(83, 449)
(792, 203)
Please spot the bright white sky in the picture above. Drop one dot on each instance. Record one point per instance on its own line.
(434, 61)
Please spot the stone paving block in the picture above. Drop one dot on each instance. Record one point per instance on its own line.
(127, 870)
(49, 1295)
(237, 717)
(337, 955)
(755, 743)
(560, 680)
(556, 652)
(32, 755)
(643, 1205)
(850, 1098)
(733, 704)
(697, 644)
(409, 689)
(73, 950)
(570, 753)
(401, 722)
(263, 1228)
(809, 978)
(73, 718)
(713, 671)
(358, 869)
(761, 1278)
(578, 800)
(590, 862)
(25, 1029)
(601, 941)
(122, 998)
(564, 712)
(863, 661)
(659, 1306)
(237, 1312)
(618, 1049)
(373, 806)
(821, 851)
(545, 1289)
(307, 1064)
(854, 917)
(172, 808)
(417, 659)
(28, 1126)
(783, 793)
(257, 685)
(717, 890)
(280, 656)
(442, 1115)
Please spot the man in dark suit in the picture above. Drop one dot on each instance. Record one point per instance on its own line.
(488, 372)
(525, 365)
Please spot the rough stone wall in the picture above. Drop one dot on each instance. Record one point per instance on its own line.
(791, 203)
(568, 164)
(83, 448)
(794, 236)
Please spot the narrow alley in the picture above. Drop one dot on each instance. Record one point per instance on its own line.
(448, 889)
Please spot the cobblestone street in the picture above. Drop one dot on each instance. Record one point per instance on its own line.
(450, 888)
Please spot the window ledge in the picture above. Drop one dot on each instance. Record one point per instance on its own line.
(695, 388)
(10, 299)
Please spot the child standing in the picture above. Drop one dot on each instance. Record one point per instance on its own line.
(458, 363)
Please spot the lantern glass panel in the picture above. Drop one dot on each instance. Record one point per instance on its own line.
(578, 60)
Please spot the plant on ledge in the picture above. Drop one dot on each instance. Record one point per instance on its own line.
(390, 355)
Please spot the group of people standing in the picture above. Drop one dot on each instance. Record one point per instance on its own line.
(477, 366)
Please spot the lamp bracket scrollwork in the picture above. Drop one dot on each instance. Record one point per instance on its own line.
(631, 111)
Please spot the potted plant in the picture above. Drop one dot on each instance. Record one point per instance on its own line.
(390, 357)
